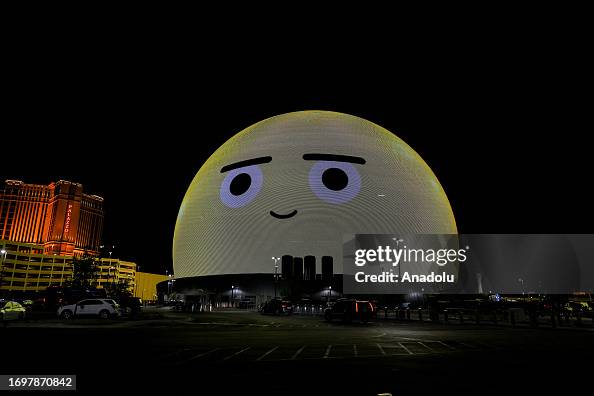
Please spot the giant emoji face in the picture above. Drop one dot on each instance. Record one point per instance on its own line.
(296, 184)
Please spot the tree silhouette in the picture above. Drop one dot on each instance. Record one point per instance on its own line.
(85, 272)
(118, 290)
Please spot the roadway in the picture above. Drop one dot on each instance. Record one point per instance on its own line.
(243, 353)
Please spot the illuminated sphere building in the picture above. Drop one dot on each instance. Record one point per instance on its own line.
(294, 185)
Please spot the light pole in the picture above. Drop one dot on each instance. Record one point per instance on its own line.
(111, 267)
(275, 273)
(232, 288)
(3, 252)
(329, 293)
(169, 287)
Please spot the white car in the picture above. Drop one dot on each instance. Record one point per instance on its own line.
(101, 307)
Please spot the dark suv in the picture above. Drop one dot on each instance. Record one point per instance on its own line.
(130, 305)
(277, 307)
(350, 310)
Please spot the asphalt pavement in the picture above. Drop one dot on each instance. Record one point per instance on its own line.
(248, 353)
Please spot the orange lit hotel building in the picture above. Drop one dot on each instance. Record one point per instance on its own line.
(58, 216)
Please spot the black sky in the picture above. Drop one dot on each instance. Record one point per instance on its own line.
(504, 132)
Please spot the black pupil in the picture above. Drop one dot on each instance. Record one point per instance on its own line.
(240, 184)
(335, 179)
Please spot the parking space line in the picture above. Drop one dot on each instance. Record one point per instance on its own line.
(409, 339)
(267, 353)
(426, 346)
(381, 349)
(236, 353)
(298, 352)
(445, 345)
(327, 351)
(200, 355)
(355, 352)
(405, 348)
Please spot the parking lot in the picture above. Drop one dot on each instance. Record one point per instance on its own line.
(245, 352)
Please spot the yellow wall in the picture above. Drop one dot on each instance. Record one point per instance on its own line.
(146, 285)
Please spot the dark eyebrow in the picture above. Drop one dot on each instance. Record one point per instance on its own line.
(241, 164)
(333, 157)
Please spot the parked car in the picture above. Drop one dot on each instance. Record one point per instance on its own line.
(350, 310)
(130, 305)
(12, 310)
(102, 307)
(277, 307)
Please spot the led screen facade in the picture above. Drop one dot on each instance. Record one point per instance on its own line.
(297, 184)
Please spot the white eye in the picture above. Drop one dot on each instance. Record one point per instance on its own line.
(334, 182)
(241, 186)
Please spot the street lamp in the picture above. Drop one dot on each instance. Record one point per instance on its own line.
(232, 288)
(329, 292)
(3, 252)
(275, 273)
(110, 276)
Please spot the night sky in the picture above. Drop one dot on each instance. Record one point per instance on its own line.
(506, 139)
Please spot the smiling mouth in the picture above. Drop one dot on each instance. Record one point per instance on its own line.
(283, 216)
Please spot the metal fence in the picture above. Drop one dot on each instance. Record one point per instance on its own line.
(505, 317)
(502, 317)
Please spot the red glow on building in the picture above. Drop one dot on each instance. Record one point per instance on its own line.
(58, 216)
